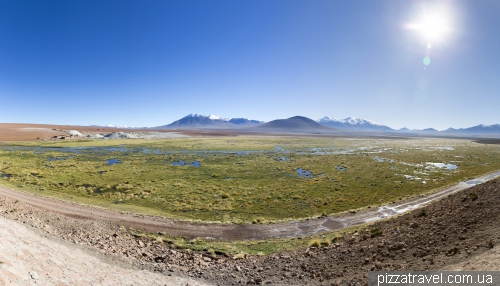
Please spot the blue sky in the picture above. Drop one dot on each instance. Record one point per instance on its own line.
(148, 63)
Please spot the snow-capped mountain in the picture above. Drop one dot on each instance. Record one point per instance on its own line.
(213, 117)
(117, 126)
(352, 123)
(211, 121)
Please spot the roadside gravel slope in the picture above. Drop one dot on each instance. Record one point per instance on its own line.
(27, 257)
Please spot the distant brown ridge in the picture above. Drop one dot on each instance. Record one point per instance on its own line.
(298, 124)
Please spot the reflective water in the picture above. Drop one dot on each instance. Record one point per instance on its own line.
(182, 163)
(381, 160)
(441, 165)
(112, 162)
(279, 149)
(57, 158)
(304, 173)
(105, 150)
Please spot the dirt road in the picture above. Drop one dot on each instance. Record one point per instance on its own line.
(236, 232)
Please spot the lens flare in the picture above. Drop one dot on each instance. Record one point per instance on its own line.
(427, 61)
(433, 24)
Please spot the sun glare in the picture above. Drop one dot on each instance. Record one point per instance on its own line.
(432, 26)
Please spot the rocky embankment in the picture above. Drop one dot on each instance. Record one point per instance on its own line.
(30, 257)
(452, 233)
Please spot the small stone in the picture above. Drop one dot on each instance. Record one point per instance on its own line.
(207, 259)
(414, 225)
(34, 275)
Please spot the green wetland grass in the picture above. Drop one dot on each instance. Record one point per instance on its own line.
(241, 179)
(242, 249)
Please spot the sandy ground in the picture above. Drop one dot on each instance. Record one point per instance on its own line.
(31, 258)
(28, 131)
(488, 261)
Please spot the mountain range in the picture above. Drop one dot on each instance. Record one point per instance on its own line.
(494, 128)
(200, 121)
(211, 121)
(353, 123)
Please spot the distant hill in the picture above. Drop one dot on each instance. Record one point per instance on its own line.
(197, 121)
(294, 124)
(478, 129)
(353, 123)
(326, 124)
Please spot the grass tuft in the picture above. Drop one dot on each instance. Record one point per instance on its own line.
(423, 212)
(375, 232)
(315, 242)
(473, 196)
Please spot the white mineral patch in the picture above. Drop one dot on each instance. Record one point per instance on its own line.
(74, 133)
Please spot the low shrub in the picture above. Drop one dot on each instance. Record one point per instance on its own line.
(422, 213)
(315, 243)
(326, 243)
(473, 196)
(376, 232)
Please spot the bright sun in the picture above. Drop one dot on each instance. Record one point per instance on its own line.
(433, 27)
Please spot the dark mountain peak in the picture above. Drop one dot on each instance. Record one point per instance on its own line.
(197, 121)
(429, 130)
(294, 124)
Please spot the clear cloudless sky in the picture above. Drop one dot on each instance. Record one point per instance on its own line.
(148, 63)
